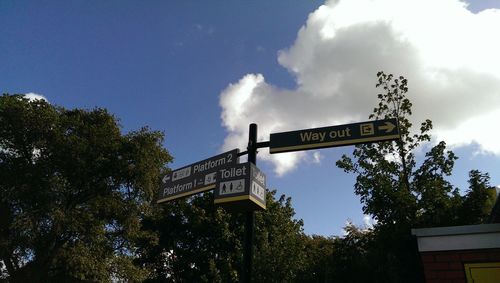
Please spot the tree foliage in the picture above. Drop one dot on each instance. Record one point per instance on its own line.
(73, 190)
(280, 249)
(77, 204)
(319, 259)
(400, 194)
(479, 198)
(193, 242)
(197, 241)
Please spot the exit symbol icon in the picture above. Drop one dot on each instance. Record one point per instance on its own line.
(367, 129)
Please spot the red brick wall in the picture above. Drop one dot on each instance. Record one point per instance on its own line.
(448, 266)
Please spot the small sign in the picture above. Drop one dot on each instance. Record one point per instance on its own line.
(348, 134)
(258, 191)
(195, 178)
(241, 187)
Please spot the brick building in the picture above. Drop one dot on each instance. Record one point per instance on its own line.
(460, 254)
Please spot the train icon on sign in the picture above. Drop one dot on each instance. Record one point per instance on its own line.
(182, 173)
(210, 178)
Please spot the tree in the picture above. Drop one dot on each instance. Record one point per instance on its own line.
(479, 199)
(438, 201)
(384, 169)
(401, 195)
(197, 241)
(352, 259)
(73, 190)
(319, 259)
(193, 241)
(280, 249)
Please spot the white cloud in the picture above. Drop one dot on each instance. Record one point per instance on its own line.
(34, 96)
(480, 129)
(368, 221)
(449, 55)
(317, 157)
(347, 223)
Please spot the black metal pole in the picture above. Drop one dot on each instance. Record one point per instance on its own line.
(249, 216)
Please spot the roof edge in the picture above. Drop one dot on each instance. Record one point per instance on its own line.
(456, 230)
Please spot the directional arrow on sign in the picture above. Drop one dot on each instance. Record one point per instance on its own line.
(388, 127)
(195, 178)
(165, 179)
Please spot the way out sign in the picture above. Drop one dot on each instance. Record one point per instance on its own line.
(348, 134)
(241, 187)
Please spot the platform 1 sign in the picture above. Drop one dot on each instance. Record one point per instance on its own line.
(195, 178)
(341, 135)
(241, 187)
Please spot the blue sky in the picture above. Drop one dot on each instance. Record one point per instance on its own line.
(177, 66)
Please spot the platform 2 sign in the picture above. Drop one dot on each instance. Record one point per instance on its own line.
(195, 178)
(241, 187)
(341, 135)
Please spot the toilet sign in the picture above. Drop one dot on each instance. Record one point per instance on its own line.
(241, 187)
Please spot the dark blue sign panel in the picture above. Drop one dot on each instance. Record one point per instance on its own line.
(195, 178)
(341, 135)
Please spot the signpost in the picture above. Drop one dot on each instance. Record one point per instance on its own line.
(348, 134)
(195, 178)
(242, 187)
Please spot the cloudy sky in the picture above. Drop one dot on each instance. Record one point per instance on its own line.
(449, 54)
(202, 71)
